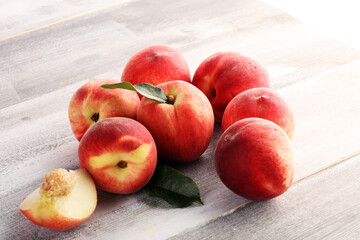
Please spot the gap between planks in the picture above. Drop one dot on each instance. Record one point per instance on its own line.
(65, 20)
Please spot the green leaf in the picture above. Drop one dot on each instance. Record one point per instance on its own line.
(145, 89)
(123, 85)
(152, 92)
(174, 187)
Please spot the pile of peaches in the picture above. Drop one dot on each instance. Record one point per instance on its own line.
(122, 132)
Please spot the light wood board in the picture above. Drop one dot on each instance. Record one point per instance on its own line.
(323, 206)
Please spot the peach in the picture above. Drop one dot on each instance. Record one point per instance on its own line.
(119, 153)
(63, 201)
(262, 103)
(253, 158)
(223, 75)
(91, 103)
(156, 64)
(182, 127)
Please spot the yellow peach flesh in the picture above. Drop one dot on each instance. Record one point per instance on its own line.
(109, 161)
(78, 203)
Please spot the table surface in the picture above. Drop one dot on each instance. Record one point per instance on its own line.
(48, 49)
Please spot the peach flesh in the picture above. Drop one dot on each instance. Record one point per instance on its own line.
(64, 200)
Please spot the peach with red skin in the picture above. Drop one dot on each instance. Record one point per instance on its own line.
(262, 103)
(182, 129)
(223, 75)
(253, 158)
(119, 153)
(156, 64)
(91, 103)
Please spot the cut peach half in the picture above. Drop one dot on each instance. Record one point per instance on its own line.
(64, 200)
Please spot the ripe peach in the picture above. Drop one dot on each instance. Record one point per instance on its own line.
(119, 153)
(223, 75)
(253, 158)
(262, 103)
(156, 64)
(182, 128)
(91, 103)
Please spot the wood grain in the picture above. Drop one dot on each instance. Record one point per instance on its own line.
(18, 17)
(41, 70)
(84, 48)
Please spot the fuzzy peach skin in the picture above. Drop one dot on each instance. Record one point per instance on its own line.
(64, 200)
(91, 103)
(253, 158)
(262, 103)
(156, 64)
(223, 75)
(182, 129)
(119, 153)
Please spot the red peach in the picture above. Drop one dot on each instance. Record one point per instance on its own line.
(262, 103)
(223, 75)
(91, 103)
(253, 158)
(156, 64)
(183, 128)
(119, 153)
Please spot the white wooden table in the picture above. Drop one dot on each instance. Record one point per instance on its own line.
(50, 48)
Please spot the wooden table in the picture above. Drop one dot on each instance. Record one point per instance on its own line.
(48, 49)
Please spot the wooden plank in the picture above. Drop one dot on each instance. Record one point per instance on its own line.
(20, 16)
(49, 59)
(323, 206)
(326, 117)
(8, 94)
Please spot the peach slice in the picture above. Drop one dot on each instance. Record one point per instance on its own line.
(64, 200)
